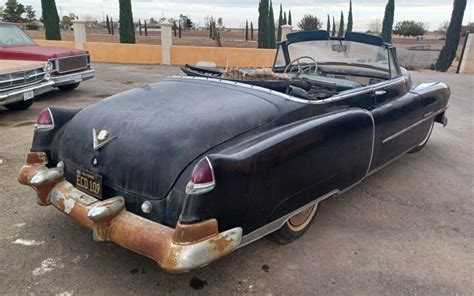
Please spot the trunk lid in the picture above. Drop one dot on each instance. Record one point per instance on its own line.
(160, 130)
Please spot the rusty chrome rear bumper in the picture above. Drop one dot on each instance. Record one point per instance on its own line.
(176, 250)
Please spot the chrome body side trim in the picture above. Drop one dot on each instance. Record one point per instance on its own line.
(373, 142)
(427, 117)
(277, 224)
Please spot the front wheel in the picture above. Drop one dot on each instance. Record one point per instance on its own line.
(422, 144)
(69, 87)
(21, 105)
(296, 226)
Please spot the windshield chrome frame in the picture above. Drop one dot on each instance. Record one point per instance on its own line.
(391, 56)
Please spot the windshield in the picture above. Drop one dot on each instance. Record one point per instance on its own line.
(337, 51)
(12, 35)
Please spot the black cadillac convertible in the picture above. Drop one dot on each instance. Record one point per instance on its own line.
(189, 169)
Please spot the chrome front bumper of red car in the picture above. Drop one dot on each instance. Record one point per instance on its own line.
(176, 250)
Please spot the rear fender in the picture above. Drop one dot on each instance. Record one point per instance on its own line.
(434, 96)
(268, 177)
(44, 139)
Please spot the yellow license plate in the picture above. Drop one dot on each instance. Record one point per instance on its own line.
(89, 183)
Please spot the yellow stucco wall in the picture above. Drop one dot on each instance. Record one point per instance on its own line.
(180, 55)
(124, 53)
(236, 57)
(51, 43)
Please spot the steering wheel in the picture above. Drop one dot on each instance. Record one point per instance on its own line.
(299, 64)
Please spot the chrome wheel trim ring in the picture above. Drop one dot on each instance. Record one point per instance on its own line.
(300, 220)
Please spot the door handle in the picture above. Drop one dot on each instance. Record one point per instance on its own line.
(380, 92)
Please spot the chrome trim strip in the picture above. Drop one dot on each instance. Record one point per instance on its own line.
(373, 142)
(277, 224)
(429, 116)
(341, 96)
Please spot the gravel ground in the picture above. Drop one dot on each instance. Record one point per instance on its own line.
(406, 230)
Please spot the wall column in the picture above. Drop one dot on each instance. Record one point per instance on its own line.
(79, 34)
(466, 64)
(166, 43)
(285, 29)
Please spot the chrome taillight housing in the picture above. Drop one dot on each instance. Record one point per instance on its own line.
(202, 178)
(45, 120)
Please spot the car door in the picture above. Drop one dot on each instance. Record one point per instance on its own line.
(400, 111)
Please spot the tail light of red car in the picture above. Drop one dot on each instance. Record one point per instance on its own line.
(45, 120)
(202, 178)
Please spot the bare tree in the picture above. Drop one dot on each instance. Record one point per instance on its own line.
(443, 28)
(375, 26)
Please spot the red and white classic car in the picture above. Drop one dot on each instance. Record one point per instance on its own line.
(68, 67)
(21, 81)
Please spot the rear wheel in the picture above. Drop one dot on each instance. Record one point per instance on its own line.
(422, 144)
(21, 105)
(296, 226)
(68, 87)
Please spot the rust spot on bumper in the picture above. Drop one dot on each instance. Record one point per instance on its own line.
(175, 250)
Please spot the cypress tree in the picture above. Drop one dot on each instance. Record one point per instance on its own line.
(328, 25)
(175, 29)
(350, 20)
(50, 20)
(112, 27)
(280, 23)
(333, 33)
(146, 29)
(127, 32)
(108, 25)
(285, 20)
(290, 22)
(251, 30)
(210, 29)
(140, 27)
(246, 30)
(263, 24)
(341, 26)
(271, 28)
(453, 34)
(388, 21)
(179, 30)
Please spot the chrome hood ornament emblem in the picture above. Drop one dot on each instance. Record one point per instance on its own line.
(101, 139)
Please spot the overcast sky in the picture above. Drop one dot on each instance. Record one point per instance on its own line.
(235, 12)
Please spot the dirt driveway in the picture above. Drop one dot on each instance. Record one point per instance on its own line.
(408, 229)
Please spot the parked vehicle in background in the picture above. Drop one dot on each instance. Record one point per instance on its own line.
(21, 81)
(68, 67)
(198, 167)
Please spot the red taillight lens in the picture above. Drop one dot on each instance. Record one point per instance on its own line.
(202, 178)
(45, 120)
